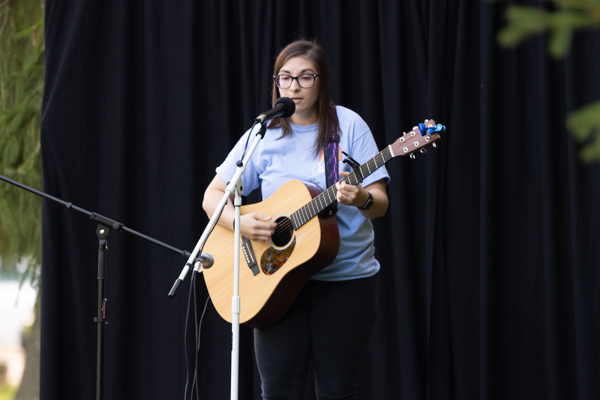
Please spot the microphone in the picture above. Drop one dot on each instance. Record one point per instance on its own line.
(204, 261)
(284, 108)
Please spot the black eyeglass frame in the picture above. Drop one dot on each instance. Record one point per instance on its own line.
(315, 76)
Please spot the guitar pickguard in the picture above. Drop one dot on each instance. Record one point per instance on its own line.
(272, 259)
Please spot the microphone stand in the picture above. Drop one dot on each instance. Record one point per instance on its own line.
(235, 187)
(105, 225)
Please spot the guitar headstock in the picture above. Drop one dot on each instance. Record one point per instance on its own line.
(420, 136)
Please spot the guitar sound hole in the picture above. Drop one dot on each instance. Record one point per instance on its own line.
(282, 242)
(284, 233)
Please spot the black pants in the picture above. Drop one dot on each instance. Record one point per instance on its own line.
(329, 322)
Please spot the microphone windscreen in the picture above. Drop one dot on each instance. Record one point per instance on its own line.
(290, 106)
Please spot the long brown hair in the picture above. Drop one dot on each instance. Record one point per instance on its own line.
(326, 114)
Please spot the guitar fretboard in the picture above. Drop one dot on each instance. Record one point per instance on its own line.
(323, 200)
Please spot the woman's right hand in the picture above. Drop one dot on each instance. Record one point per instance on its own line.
(257, 227)
(254, 226)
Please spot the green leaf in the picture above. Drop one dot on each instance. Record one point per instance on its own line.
(560, 41)
(523, 22)
(585, 127)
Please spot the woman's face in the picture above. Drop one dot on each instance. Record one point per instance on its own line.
(304, 98)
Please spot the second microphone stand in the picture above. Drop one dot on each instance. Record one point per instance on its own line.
(105, 226)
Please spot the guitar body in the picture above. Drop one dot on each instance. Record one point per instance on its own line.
(268, 291)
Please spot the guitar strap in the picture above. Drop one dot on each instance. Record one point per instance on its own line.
(331, 165)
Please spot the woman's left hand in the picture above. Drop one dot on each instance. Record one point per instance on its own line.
(350, 195)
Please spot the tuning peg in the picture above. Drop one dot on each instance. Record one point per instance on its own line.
(423, 150)
(412, 156)
(434, 145)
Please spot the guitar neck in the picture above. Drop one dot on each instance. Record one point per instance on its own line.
(420, 136)
(326, 198)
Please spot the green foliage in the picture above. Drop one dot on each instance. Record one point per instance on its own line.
(560, 24)
(7, 392)
(524, 22)
(585, 125)
(21, 88)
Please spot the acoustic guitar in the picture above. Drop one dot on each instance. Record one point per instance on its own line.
(305, 240)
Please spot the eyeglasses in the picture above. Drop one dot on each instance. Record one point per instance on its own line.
(305, 81)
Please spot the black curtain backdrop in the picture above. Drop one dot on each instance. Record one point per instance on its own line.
(489, 280)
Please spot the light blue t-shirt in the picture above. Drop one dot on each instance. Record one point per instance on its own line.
(277, 161)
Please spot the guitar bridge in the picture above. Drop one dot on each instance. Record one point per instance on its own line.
(249, 255)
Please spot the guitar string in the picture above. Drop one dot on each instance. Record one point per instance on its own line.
(384, 156)
(285, 226)
(313, 207)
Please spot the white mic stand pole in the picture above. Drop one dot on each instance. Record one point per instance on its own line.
(235, 186)
(235, 300)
